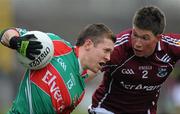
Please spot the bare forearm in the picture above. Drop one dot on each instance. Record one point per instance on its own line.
(7, 35)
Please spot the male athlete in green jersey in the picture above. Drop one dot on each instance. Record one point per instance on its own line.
(59, 87)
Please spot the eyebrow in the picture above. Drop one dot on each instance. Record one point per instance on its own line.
(147, 35)
(108, 50)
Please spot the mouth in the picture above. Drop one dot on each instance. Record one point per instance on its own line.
(101, 64)
(137, 50)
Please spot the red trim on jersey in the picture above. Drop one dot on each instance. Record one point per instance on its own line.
(61, 48)
(84, 73)
(51, 82)
(80, 98)
(70, 109)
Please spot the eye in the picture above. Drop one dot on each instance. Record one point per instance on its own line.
(145, 38)
(107, 50)
(134, 35)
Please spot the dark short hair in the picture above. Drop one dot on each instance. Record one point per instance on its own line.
(94, 32)
(150, 18)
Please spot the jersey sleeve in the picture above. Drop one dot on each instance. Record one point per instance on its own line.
(4, 38)
(55, 37)
(52, 36)
(173, 47)
(21, 31)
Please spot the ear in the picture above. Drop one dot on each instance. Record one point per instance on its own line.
(158, 37)
(88, 44)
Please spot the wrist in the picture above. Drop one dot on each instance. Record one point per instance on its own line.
(13, 43)
(7, 34)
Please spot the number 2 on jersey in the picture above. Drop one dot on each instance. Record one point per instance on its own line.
(144, 74)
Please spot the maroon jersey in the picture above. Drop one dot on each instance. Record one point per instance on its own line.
(132, 84)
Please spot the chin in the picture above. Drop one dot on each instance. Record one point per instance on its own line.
(95, 70)
(139, 55)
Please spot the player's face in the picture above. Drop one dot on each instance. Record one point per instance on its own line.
(99, 54)
(143, 42)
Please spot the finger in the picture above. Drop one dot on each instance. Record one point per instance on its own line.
(35, 45)
(34, 52)
(34, 42)
(31, 57)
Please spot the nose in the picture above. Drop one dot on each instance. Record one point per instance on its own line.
(107, 56)
(138, 43)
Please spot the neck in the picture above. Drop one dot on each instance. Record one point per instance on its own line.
(82, 57)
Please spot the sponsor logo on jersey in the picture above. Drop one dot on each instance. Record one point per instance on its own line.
(127, 71)
(52, 83)
(162, 72)
(178, 43)
(140, 86)
(50, 80)
(62, 63)
(145, 67)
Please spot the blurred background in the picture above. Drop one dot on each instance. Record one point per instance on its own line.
(66, 18)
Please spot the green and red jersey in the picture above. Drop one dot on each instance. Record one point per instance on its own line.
(56, 88)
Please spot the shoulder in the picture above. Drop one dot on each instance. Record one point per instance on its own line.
(54, 36)
(122, 46)
(123, 37)
(172, 35)
(124, 33)
(61, 46)
(58, 39)
(171, 40)
(170, 44)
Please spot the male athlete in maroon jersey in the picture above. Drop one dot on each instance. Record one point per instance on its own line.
(142, 60)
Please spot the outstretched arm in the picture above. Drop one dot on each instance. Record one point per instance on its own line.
(26, 47)
(7, 34)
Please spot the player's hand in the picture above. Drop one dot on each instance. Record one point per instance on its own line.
(25, 46)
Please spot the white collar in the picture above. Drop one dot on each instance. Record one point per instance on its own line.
(80, 67)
